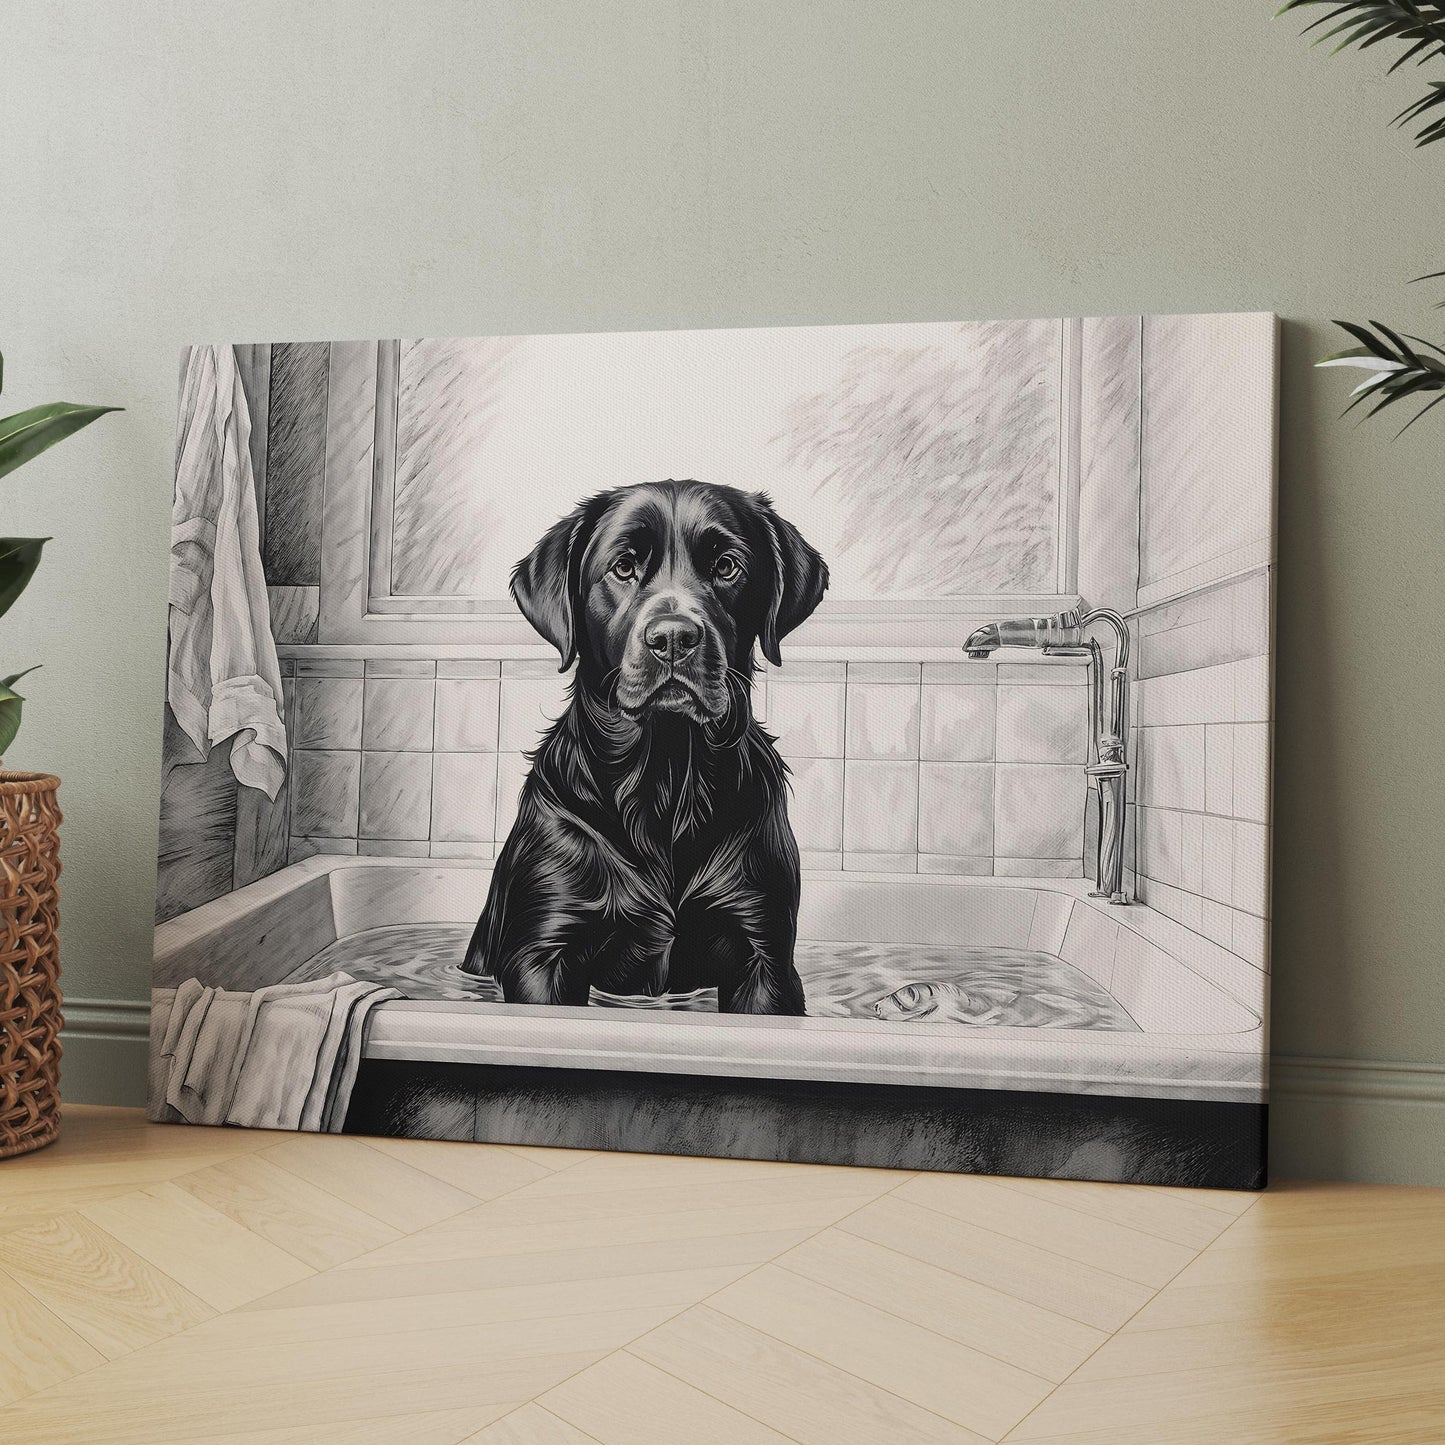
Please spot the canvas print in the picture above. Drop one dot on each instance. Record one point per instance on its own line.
(843, 744)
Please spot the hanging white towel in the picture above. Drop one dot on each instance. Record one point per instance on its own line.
(283, 1057)
(223, 680)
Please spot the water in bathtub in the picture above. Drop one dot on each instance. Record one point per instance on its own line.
(960, 985)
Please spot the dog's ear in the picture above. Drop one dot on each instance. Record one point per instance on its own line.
(545, 582)
(800, 577)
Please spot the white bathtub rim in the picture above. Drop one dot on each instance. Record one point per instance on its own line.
(1171, 1064)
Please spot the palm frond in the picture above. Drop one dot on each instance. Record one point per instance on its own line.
(1418, 24)
(1397, 370)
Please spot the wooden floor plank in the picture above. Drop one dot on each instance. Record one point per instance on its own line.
(1195, 1399)
(305, 1220)
(531, 1425)
(1102, 1243)
(952, 1380)
(188, 1366)
(623, 1400)
(37, 1348)
(481, 1170)
(604, 1173)
(1064, 1286)
(1293, 1305)
(167, 1284)
(788, 1389)
(206, 1252)
(550, 1159)
(111, 1297)
(434, 1427)
(667, 1291)
(478, 1240)
(370, 1180)
(151, 1416)
(1013, 1330)
(534, 1268)
(1154, 1211)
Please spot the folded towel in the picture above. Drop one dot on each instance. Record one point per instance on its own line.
(223, 678)
(283, 1057)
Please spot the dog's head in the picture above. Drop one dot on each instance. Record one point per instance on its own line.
(665, 587)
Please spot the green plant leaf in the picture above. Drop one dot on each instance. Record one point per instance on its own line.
(10, 704)
(1398, 371)
(28, 433)
(19, 557)
(1418, 24)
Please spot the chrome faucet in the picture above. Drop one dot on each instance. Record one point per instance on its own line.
(1065, 635)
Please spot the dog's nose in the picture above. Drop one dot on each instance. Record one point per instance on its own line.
(672, 638)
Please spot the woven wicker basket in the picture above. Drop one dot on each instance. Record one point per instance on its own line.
(29, 962)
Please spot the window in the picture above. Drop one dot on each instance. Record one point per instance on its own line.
(928, 463)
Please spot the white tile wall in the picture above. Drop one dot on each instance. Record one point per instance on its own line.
(467, 714)
(397, 714)
(1038, 811)
(1251, 771)
(1203, 766)
(464, 797)
(1041, 724)
(894, 765)
(816, 806)
(880, 807)
(957, 723)
(395, 795)
(955, 809)
(327, 712)
(882, 720)
(1173, 766)
(806, 714)
(1219, 769)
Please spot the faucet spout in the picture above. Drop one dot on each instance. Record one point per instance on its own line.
(982, 641)
(1051, 633)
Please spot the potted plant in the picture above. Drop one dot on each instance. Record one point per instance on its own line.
(29, 844)
(1402, 367)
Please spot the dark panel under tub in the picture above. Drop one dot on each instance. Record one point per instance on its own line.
(1054, 1136)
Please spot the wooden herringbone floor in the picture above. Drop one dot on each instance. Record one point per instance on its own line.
(171, 1284)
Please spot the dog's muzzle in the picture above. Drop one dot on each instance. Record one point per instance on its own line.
(674, 665)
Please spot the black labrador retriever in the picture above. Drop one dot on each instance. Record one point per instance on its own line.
(652, 850)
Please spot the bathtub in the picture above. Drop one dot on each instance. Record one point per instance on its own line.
(1200, 1010)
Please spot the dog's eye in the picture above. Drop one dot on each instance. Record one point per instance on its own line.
(625, 568)
(726, 567)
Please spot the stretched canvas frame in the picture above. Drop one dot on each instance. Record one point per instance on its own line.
(356, 701)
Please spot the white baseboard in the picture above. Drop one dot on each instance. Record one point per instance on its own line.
(1355, 1119)
(1356, 1079)
(111, 1018)
(104, 1047)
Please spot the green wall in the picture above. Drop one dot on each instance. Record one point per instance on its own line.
(260, 170)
